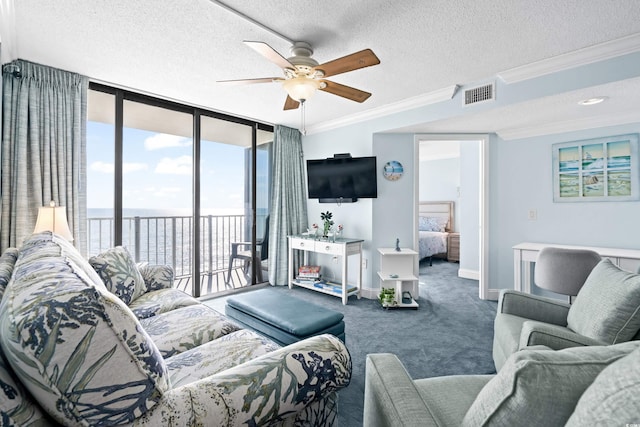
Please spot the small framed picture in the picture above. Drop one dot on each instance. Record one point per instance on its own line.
(393, 170)
(596, 170)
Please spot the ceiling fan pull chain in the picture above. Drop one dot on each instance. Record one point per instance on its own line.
(303, 108)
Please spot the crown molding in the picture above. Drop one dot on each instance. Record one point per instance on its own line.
(584, 56)
(440, 95)
(569, 126)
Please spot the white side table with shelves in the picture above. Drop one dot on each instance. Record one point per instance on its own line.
(342, 247)
(397, 269)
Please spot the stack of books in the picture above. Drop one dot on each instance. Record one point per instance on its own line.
(309, 274)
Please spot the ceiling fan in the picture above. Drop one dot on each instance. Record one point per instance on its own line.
(303, 76)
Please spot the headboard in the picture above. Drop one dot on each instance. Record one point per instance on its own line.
(439, 209)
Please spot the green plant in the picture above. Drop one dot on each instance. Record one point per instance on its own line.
(328, 222)
(387, 297)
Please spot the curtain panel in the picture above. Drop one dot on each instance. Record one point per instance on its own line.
(43, 152)
(288, 201)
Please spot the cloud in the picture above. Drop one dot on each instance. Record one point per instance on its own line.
(168, 192)
(175, 166)
(133, 167)
(163, 140)
(104, 167)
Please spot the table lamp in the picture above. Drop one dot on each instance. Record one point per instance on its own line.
(53, 218)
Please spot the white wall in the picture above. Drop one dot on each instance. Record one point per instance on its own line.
(356, 218)
(440, 180)
(468, 209)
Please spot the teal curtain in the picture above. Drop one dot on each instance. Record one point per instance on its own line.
(288, 200)
(43, 152)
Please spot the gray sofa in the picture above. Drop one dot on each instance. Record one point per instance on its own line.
(108, 342)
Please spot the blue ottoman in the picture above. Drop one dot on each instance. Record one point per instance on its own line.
(283, 318)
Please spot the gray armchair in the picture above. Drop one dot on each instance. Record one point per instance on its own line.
(531, 390)
(525, 320)
(605, 311)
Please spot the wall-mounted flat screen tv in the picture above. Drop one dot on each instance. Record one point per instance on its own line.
(342, 178)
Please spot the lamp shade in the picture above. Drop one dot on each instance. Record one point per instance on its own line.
(301, 88)
(53, 218)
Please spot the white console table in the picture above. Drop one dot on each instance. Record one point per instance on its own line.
(342, 247)
(525, 254)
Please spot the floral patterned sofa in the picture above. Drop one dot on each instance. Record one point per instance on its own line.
(107, 342)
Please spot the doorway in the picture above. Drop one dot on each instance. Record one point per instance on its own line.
(469, 153)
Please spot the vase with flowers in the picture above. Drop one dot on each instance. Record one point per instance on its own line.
(337, 233)
(327, 223)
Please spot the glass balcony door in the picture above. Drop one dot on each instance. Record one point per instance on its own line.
(178, 186)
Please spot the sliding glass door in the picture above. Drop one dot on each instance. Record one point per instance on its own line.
(178, 186)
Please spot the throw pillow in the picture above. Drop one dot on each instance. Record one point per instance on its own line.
(119, 272)
(612, 399)
(541, 387)
(81, 352)
(607, 307)
(433, 223)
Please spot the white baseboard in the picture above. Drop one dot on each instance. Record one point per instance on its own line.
(369, 293)
(469, 274)
(493, 294)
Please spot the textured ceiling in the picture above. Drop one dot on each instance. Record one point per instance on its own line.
(178, 49)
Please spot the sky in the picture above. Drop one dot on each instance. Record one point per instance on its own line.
(157, 172)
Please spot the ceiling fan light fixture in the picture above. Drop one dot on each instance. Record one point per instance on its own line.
(301, 88)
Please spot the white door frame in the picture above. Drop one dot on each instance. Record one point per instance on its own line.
(483, 288)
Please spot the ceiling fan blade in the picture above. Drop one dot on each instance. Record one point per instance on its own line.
(291, 104)
(355, 61)
(345, 91)
(251, 81)
(270, 53)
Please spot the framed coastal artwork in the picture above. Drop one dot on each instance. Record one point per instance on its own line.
(596, 170)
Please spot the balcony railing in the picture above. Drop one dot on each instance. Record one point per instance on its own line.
(168, 240)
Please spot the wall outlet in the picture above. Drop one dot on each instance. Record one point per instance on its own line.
(532, 215)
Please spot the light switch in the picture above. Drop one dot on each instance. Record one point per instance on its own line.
(533, 215)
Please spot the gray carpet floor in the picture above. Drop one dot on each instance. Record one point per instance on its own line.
(450, 333)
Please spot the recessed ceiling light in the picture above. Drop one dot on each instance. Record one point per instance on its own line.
(592, 101)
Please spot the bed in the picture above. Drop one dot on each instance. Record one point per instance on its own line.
(435, 221)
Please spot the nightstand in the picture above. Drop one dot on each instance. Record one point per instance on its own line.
(453, 247)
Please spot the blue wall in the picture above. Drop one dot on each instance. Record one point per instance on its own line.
(519, 177)
(523, 181)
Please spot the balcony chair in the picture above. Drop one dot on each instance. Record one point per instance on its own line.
(262, 253)
(605, 310)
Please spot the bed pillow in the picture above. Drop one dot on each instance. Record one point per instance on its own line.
(433, 223)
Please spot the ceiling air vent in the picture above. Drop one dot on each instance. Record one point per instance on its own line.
(479, 94)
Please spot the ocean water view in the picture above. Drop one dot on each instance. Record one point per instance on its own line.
(164, 236)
